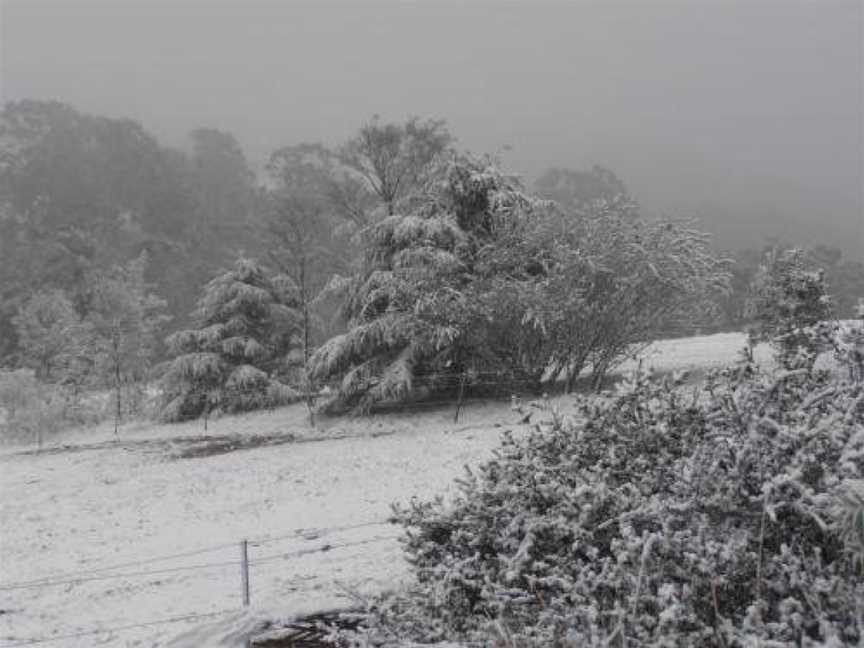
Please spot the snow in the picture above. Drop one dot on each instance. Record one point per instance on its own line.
(89, 501)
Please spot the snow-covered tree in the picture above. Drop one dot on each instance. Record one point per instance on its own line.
(412, 311)
(246, 323)
(615, 280)
(52, 337)
(789, 296)
(125, 318)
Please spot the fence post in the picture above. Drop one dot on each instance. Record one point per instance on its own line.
(461, 395)
(244, 570)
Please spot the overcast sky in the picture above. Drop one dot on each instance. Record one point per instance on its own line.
(746, 114)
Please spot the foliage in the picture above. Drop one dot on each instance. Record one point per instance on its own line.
(394, 159)
(722, 516)
(613, 281)
(80, 194)
(789, 297)
(414, 310)
(125, 318)
(54, 341)
(32, 410)
(580, 191)
(303, 228)
(844, 279)
(246, 323)
(478, 278)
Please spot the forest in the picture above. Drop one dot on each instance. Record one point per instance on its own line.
(390, 266)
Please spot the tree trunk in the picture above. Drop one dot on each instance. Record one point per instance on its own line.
(460, 397)
(310, 401)
(573, 372)
(119, 410)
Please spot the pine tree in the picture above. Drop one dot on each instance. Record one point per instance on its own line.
(233, 360)
(789, 296)
(413, 311)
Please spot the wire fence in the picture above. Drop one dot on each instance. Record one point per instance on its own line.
(104, 573)
(126, 570)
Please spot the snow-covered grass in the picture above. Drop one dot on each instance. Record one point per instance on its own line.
(89, 501)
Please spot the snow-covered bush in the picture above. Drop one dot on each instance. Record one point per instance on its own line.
(723, 515)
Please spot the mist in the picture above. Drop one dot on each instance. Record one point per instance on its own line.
(746, 116)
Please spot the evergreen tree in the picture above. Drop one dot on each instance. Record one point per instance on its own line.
(413, 311)
(233, 360)
(789, 296)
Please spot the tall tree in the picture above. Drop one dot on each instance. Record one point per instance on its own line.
(409, 309)
(125, 318)
(302, 243)
(225, 190)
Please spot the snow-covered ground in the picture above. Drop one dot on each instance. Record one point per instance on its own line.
(89, 502)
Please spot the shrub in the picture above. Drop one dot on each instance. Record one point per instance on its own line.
(722, 516)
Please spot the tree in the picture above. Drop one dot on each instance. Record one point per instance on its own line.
(395, 159)
(53, 339)
(577, 191)
(478, 277)
(615, 281)
(125, 318)
(81, 193)
(412, 310)
(339, 190)
(789, 296)
(301, 237)
(225, 190)
(845, 279)
(245, 325)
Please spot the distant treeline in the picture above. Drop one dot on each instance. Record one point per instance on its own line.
(82, 195)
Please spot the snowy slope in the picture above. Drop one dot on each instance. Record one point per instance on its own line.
(88, 502)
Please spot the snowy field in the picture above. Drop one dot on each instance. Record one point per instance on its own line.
(94, 519)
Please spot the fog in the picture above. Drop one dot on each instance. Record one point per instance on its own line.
(748, 116)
